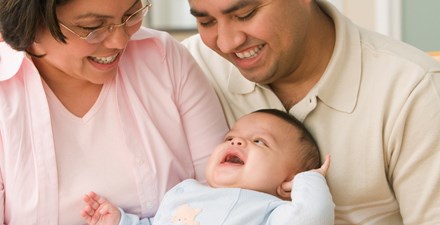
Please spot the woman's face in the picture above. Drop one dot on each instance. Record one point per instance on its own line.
(78, 60)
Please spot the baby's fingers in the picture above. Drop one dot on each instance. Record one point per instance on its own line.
(87, 214)
(323, 169)
(90, 201)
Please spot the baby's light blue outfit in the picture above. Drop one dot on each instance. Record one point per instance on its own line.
(192, 203)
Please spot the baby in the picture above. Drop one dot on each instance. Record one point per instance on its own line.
(267, 171)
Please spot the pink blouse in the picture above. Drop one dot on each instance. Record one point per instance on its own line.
(170, 122)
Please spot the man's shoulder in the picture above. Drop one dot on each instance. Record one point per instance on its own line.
(396, 52)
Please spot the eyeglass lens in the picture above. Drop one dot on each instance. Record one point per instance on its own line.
(100, 34)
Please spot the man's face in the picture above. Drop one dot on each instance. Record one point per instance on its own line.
(263, 38)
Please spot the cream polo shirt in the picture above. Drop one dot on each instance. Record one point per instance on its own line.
(376, 110)
(170, 121)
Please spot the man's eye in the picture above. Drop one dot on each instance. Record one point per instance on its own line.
(247, 16)
(206, 23)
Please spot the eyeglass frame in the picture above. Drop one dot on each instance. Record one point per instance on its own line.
(109, 27)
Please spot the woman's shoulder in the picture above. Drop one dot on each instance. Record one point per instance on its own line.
(154, 42)
(10, 61)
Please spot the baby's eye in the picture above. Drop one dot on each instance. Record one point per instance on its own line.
(260, 142)
(228, 139)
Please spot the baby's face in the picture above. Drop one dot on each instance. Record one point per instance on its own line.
(258, 153)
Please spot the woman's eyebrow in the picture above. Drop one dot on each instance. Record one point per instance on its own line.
(100, 16)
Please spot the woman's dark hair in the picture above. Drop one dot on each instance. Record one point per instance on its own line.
(20, 21)
(309, 157)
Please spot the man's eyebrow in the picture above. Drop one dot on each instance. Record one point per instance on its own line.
(238, 5)
(196, 13)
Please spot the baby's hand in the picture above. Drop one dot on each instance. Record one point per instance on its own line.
(286, 187)
(99, 211)
(324, 167)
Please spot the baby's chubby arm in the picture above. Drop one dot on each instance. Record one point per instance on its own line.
(287, 186)
(99, 211)
(311, 204)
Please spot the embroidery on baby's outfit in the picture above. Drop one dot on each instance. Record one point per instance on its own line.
(186, 215)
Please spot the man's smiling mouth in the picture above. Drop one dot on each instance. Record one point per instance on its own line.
(250, 53)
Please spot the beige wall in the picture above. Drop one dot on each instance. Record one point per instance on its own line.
(361, 12)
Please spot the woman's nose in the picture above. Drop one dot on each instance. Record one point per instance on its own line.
(117, 38)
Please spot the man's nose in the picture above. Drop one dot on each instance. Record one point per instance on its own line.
(229, 38)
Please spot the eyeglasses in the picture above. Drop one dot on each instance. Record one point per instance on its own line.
(102, 33)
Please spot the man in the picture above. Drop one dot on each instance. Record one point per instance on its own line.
(372, 103)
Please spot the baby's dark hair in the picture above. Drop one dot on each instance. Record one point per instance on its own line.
(309, 157)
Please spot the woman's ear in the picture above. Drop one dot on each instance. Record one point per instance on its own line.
(36, 49)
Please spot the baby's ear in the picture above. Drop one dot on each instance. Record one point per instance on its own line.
(283, 194)
(284, 189)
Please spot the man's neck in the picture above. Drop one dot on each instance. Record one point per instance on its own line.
(319, 51)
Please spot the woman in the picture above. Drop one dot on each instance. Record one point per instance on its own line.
(81, 83)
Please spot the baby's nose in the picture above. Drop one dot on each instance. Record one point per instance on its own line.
(237, 141)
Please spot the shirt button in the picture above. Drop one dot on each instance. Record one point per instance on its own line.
(150, 205)
(139, 162)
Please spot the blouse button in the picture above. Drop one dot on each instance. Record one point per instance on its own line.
(139, 162)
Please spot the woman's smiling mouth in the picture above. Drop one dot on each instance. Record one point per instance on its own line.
(104, 60)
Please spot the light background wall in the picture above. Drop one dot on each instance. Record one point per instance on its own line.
(421, 23)
(416, 22)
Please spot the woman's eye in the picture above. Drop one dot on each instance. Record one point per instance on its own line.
(247, 16)
(90, 29)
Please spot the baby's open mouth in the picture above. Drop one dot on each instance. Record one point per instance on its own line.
(232, 158)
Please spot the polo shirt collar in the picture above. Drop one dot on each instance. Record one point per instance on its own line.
(339, 85)
(238, 84)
